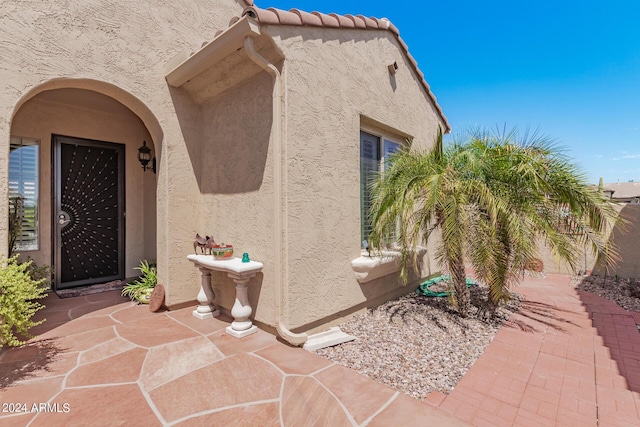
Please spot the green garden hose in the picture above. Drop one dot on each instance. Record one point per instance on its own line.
(423, 289)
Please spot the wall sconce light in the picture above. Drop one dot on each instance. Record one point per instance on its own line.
(393, 68)
(144, 157)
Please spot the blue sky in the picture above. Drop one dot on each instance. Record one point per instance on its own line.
(568, 68)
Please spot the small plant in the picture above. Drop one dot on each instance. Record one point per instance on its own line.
(140, 289)
(18, 295)
(40, 273)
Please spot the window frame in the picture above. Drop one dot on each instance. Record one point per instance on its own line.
(384, 140)
(30, 245)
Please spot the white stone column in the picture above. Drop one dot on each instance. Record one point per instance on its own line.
(206, 308)
(241, 310)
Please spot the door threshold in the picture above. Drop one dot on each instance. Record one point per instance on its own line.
(81, 291)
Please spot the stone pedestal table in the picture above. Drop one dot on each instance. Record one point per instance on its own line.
(240, 272)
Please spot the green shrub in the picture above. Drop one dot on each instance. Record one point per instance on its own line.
(40, 273)
(18, 295)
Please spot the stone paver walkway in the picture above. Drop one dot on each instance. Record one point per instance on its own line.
(117, 364)
(568, 358)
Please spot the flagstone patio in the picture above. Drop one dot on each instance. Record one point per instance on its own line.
(568, 358)
(100, 360)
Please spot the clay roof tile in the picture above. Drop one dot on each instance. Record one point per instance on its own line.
(308, 18)
(393, 29)
(384, 23)
(412, 60)
(375, 23)
(343, 21)
(266, 16)
(403, 44)
(358, 21)
(287, 17)
(328, 20)
(368, 22)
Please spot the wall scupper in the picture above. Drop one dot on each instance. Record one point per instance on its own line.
(222, 63)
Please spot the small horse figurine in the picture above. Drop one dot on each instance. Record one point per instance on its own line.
(203, 243)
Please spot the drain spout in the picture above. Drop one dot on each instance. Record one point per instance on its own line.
(279, 174)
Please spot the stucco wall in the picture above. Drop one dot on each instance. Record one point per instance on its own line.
(336, 82)
(230, 143)
(585, 261)
(40, 119)
(118, 48)
(626, 238)
(235, 177)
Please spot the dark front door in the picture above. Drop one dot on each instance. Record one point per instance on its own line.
(88, 211)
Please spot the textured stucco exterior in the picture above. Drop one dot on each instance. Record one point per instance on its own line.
(230, 140)
(118, 49)
(214, 138)
(627, 240)
(236, 184)
(337, 83)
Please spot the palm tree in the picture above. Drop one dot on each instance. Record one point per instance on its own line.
(492, 198)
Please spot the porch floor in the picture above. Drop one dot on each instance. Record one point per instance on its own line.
(102, 360)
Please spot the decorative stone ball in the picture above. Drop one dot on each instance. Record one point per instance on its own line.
(222, 251)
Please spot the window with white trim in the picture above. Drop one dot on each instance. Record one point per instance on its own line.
(374, 155)
(23, 191)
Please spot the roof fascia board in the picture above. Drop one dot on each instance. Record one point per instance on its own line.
(223, 45)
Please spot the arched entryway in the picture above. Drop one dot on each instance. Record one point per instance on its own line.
(92, 208)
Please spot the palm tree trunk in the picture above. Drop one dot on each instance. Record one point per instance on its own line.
(463, 297)
(498, 289)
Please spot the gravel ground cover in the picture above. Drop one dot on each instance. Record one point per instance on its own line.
(624, 292)
(418, 344)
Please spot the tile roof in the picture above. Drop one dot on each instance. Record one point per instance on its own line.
(297, 17)
(623, 190)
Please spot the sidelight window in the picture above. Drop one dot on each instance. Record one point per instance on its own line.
(23, 193)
